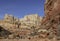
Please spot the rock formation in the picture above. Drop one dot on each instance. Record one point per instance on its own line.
(33, 26)
(51, 20)
(21, 28)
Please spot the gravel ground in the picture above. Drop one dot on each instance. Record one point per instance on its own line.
(27, 40)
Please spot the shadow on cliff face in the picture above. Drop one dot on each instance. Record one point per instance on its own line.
(4, 33)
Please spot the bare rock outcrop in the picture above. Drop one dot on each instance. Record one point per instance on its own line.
(51, 20)
(21, 28)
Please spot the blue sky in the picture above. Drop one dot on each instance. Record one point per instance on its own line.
(20, 8)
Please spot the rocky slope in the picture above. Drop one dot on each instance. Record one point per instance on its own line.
(21, 28)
